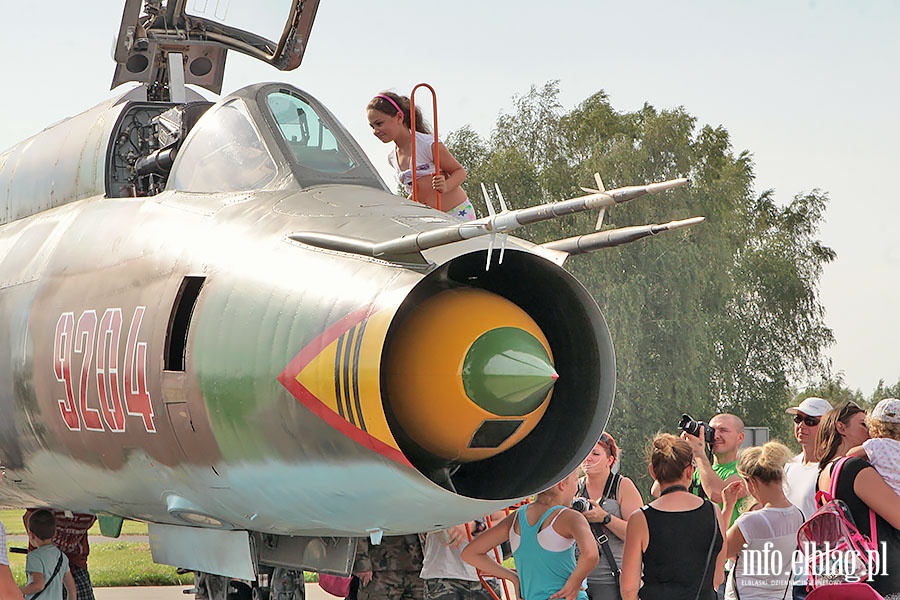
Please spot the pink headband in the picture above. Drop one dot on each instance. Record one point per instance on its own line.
(389, 99)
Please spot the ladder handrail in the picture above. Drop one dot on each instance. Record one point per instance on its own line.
(436, 155)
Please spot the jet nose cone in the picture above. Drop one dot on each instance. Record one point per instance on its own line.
(468, 375)
(508, 372)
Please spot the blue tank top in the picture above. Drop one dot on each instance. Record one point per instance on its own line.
(541, 572)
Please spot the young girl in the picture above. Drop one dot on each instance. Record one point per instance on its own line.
(543, 536)
(389, 118)
(883, 449)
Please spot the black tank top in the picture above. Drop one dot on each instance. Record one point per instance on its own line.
(676, 554)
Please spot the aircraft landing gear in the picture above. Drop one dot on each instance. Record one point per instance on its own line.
(273, 584)
(285, 584)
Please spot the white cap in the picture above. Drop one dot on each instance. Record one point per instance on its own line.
(887, 411)
(811, 407)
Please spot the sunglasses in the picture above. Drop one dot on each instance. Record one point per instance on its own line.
(850, 409)
(808, 421)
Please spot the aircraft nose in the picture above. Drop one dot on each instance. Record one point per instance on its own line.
(468, 375)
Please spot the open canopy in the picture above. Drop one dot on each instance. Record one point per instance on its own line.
(201, 33)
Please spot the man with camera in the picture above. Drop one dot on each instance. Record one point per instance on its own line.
(724, 434)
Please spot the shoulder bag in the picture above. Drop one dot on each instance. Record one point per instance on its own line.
(712, 543)
(610, 490)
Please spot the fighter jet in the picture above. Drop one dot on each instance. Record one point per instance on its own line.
(217, 319)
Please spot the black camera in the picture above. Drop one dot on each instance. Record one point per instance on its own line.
(692, 427)
(581, 504)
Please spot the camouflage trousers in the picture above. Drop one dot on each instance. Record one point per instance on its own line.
(393, 585)
(459, 589)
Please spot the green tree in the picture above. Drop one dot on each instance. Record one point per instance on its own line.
(883, 391)
(834, 389)
(724, 316)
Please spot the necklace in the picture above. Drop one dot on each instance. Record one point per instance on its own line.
(672, 488)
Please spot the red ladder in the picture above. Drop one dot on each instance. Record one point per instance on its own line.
(412, 122)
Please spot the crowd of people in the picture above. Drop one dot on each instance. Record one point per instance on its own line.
(720, 528)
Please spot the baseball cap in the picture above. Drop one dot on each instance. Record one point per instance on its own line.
(811, 407)
(887, 410)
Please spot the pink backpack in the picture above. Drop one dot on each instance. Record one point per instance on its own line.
(844, 591)
(835, 550)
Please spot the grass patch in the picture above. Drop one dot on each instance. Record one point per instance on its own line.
(12, 519)
(118, 564)
(115, 563)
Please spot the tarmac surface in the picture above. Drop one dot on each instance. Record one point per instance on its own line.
(176, 592)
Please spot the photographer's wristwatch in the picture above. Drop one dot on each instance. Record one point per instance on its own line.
(606, 519)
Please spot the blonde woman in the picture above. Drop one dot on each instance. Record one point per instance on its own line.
(762, 541)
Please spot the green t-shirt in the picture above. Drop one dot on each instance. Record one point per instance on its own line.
(724, 471)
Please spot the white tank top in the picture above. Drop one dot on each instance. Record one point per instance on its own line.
(424, 160)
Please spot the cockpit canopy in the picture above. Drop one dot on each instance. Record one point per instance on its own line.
(225, 154)
(261, 132)
(263, 136)
(314, 147)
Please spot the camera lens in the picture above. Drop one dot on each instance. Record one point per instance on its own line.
(689, 425)
(692, 427)
(581, 504)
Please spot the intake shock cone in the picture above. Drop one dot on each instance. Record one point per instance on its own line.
(469, 374)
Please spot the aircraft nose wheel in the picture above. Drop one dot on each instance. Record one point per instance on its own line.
(239, 591)
(260, 593)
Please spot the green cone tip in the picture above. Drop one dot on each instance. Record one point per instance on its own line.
(508, 372)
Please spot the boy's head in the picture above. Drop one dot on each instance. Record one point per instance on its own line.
(884, 422)
(42, 524)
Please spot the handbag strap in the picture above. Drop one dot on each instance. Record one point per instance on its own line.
(712, 543)
(55, 571)
(611, 487)
(734, 585)
(835, 473)
(603, 542)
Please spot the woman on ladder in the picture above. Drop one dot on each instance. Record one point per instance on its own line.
(389, 118)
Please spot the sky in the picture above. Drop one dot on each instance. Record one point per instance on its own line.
(809, 88)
